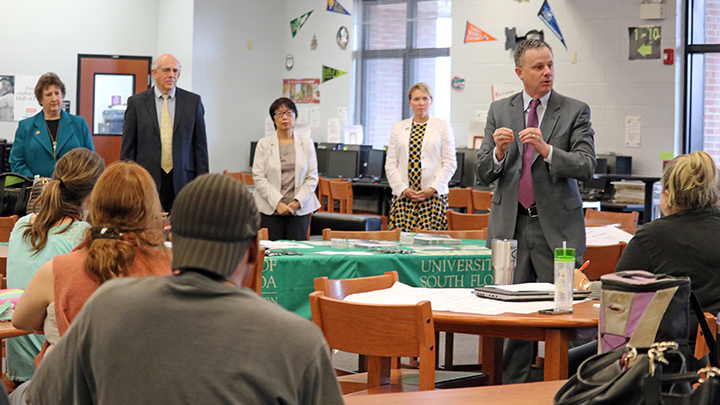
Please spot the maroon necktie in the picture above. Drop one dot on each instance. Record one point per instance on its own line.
(526, 195)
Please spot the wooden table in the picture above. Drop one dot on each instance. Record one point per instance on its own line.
(555, 330)
(540, 393)
(9, 331)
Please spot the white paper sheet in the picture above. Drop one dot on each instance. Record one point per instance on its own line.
(270, 244)
(605, 235)
(447, 299)
(333, 253)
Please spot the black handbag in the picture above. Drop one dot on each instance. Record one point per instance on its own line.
(15, 191)
(647, 376)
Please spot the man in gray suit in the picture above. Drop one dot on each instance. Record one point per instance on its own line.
(537, 144)
(164, 131)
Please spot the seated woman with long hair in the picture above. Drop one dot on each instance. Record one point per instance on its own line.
(36, 238)
(126, 240)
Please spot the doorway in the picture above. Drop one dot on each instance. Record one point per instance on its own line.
(105, 82)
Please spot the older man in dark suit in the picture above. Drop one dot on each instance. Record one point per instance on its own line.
(537, 144)
(164, 131)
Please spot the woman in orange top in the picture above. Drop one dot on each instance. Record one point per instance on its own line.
(126, 240)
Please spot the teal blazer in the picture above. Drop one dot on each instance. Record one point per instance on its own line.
(32, 151)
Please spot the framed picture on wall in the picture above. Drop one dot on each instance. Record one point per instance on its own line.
(477, 141)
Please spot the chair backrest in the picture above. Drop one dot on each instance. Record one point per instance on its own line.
(482, 200)
(341, 288)
(341, 190)
(254, 280)
(247, 178)
(625, 219)
(701, 347)
(263, 234)
(603, 259)
(323, 193)
(379, 331)
(461, 198)
(6, 226)
(329, 234)
(466, 222)
(478, 235)
(235, 175)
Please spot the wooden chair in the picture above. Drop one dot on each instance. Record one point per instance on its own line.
(341, 288)
(701, 347)
(341, 190)
(470, 234)
(329, 234)
(235, 175)
(254, 280)
(6, 226)
(263, 234)
(380, 332)
(466, 222)
(247, 178)
(482, 200)
(461, 198)
(603, 259)
(323, 194)
(625, 219)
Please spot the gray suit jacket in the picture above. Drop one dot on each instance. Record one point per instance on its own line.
(565, 126)
(141, 137)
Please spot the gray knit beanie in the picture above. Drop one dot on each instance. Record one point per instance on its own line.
(214, 219)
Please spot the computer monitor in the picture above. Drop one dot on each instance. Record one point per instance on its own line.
(343, 164)
(363, 158)
(253, 145)
(323, 157)
(375, 164)
(329, 145)
(457, 177)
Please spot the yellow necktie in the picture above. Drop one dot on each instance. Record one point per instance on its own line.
(166, 135)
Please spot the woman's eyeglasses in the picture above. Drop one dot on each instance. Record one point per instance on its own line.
(288, 113)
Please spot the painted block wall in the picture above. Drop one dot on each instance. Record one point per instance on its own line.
(46, 36)
(603, 77)
(238, 84)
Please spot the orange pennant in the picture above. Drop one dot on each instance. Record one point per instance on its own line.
(475, 34)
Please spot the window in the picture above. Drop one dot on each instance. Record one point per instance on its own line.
(401, 42)
(702, 78)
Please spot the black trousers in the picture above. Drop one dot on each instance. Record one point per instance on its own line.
(286, 227)
(167, 190)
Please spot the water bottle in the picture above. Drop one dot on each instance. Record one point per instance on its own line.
(564, 274)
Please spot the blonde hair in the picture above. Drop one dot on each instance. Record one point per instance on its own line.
(692, 182)
(422, 87)
(72, 181)
(126, 216)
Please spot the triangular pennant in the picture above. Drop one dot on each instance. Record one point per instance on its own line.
(297, 23)
(547, 16)
(335, 7)
(475, 34)
(330, 73)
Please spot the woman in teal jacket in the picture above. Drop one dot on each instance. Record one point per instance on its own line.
(44, 138)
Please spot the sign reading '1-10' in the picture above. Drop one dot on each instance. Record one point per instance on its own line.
(644, 42)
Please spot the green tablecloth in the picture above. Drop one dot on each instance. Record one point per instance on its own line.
(288, 280)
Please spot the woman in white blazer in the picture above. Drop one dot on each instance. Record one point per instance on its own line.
(285, 176)
(420, 163)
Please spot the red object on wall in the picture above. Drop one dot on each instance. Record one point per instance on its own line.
(668, 56)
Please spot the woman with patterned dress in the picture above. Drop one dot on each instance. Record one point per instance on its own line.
(420, 163)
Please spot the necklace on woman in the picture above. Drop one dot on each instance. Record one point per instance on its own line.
(53, 139)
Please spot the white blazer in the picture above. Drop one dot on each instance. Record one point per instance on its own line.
(268, 177)
(437, 156)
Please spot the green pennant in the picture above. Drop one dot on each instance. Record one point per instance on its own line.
(297, 23)
(330, 73)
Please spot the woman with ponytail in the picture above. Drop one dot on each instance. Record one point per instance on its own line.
(125, 240)
(37, 238)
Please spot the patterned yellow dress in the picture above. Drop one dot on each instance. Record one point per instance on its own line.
(428, 214)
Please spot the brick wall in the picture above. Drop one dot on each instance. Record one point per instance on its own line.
(712, 81)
